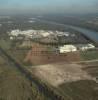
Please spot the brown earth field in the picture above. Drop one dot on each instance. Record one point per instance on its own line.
(39, 55)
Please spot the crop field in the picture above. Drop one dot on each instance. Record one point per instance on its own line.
(83, 89)
(80, 90)
(73, 82)
(91, 68)
(89, 55)
(14, 85)
(27, 87)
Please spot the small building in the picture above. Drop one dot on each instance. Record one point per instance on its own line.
(72, 48)
(84, 47)
(67, 48)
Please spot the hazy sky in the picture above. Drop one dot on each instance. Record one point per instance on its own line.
(48, 6)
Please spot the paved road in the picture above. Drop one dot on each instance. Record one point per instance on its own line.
(87, 61)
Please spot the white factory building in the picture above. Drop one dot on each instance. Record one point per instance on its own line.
(67, 48)
(76, 47)
(84, 47)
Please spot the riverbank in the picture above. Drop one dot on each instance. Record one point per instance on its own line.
(92, 35)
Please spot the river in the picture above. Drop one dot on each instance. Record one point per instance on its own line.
(89, 33)
(92, 35)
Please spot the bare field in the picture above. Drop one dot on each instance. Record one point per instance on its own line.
(59, 73)
(91, 68)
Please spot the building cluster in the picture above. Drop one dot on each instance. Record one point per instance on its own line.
(35, 34)
(76, 47)
(52, 36)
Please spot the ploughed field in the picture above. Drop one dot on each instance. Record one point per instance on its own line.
(71, 80)
(91, 68)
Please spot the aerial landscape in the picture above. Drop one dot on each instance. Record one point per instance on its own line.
(48, 50)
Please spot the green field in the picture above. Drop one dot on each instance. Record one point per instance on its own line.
(21, 87)
(14, 85)
(89, 55)
(80, 90)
